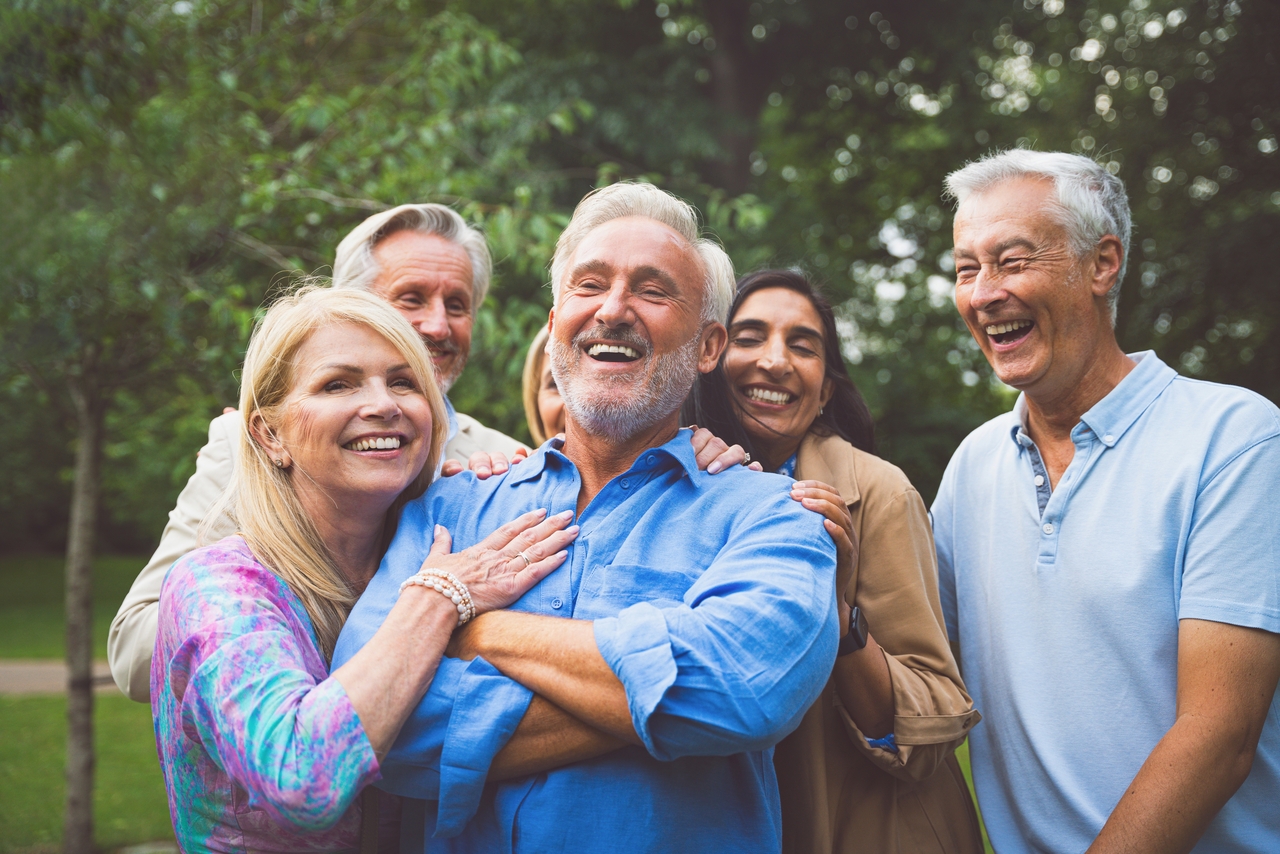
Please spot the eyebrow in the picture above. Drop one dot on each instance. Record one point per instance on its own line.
(640, 274)
(355, 369)
(752, 323)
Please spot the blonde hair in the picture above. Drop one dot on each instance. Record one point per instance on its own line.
(531, 381)
(263, 499)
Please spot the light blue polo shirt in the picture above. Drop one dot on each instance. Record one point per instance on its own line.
(1066, 602)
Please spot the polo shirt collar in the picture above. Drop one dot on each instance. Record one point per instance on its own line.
(1111, 417)
(679, 449)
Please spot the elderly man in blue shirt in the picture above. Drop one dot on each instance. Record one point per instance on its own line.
(1109, 551)
(631, 699)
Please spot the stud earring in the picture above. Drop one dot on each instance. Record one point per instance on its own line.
(279, 463)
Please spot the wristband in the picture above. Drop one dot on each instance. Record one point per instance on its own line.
(447, 585)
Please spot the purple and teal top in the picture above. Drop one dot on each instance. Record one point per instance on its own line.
(261, 749)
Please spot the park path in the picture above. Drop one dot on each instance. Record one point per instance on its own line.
(26, 676)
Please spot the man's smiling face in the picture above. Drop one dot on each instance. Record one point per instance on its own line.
(1021, 289)
(428, 279)
(627, 335)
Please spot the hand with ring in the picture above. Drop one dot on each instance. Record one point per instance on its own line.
(504, 565)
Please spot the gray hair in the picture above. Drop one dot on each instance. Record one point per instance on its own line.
(1091, 202)
(354, 266)
(641, 199)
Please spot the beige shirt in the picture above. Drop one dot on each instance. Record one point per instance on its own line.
(839, 794)
(133, 631)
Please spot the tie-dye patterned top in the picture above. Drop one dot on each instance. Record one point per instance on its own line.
(261, 750)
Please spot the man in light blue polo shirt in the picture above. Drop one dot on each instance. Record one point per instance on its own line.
(630, 700)
(1108, 552)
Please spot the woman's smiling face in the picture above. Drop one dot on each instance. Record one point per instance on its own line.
(776, 370)
(356, 424)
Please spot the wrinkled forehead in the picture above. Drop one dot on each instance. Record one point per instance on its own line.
(1024, 206)
(635, 248)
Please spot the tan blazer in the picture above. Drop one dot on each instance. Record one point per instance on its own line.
(133, 631)
(838, 793)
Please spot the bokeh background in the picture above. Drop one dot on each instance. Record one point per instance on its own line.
(165, 167)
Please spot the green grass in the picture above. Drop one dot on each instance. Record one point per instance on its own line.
(32, 608)
(962, 754)
(129, 802)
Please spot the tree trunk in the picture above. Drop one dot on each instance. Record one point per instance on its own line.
(77, 834)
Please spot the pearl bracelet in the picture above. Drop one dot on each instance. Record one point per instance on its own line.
(448, 585)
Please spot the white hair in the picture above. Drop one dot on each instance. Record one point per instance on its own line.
(641, 199)
(1091, 202)
(356, 267)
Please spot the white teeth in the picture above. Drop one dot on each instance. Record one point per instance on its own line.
(1001, 328)
(597, 349)
(381, 443)
(765, 396)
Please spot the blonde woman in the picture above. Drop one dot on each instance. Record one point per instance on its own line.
(262, 748)
(543, 406)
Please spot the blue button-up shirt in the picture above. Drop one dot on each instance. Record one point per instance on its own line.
(1066, 601)
(713, 601)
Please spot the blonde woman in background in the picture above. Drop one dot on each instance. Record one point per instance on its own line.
(342, 422)
(543, 407)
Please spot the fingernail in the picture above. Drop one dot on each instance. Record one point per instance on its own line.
(572, 529)
(714, 468)
(565, 514)
(439, 528)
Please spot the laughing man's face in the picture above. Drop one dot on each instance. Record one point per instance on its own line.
(1022, 290)
(627, 335)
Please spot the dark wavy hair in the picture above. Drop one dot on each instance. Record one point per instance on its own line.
(846, 415)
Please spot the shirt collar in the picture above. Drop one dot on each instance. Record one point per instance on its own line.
(1111, 417)
(678, 450)
(453, 418)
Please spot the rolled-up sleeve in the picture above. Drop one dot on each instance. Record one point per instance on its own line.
(444, 750)
(734, 666)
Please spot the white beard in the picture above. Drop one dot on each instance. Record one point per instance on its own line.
(618, 408)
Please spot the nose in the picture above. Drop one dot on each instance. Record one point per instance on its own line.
(773, 358)
(987, 288)
(432, 321)
(379, 403)
(615, 309)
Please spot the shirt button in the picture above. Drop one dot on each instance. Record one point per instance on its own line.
(651, 459)
(557, 603)
(1108, 438)
(1048, 527)
(624, 483)
(1039, 480)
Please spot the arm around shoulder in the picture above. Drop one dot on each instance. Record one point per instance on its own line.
(897, 591)
(133, 631)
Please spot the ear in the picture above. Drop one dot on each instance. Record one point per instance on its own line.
(551, 321)
(266, 438)
(713, 340)
(1108, 258)
(828, 389)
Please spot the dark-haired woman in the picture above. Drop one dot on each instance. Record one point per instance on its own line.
(872, 766)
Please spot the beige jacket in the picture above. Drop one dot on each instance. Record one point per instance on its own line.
(133, 631)
(838, 793)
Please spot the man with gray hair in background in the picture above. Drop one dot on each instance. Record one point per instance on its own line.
(1109, 551)
(631, 699)
(431, 266)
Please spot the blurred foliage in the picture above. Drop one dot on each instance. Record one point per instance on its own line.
(230, 145)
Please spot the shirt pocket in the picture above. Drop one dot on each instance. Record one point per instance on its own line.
(606, 590)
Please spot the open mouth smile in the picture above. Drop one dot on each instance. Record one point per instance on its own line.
(613, 353)
(1008, 332)
(774, 397)
(374, 443)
